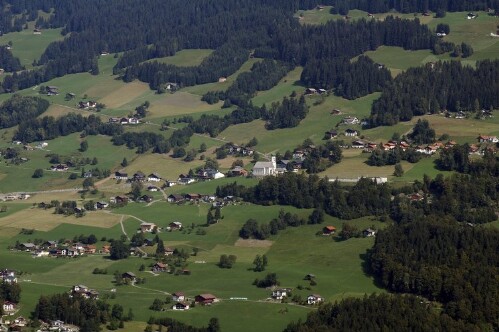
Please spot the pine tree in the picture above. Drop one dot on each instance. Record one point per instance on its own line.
(160, 249)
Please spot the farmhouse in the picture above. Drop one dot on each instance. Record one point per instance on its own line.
(205, 299)
(170, 183)
(471, 16)
(84, 291)
(139, 177)
(147, 227)
(350, 120)
(119, 200)
(129, 276)
(101, 205)
(37, 31)
(314, 299)
(265, 168)
(152, 188)
(145, 198)
(237, 171)
(181, 306)
(359, 144)
(222, 79)
(369, 232)
(487, 139)
(59, 168)
(310, 91)
(8, 276)
(28, 246)
(8, 306)
(330, 134)
(52, 90)
(178, 296)
(185, 179)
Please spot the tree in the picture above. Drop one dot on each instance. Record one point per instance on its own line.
(83, 146)
(160, 248)
(202, 147)
(38, 173)
(422, 133)
(157, 305)
(124, 163)
(119, 250)
(87, 183)
(214, 325)
(316, 217)
(260, 263)
(252, 142)
(136, 190)
(348, 231)
(226, 262)
(399, 171)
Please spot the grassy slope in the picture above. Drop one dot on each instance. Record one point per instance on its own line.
(185, 58)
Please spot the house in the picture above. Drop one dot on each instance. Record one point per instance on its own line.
(359, 144)
(120, 176)
(133, 121)
(330, 134)
(139, 177)
(369, 232)
(335, 112)
(153, 177)
(441, 34)
(178, 296)
(181, 306)
(169, 251)
(471, 16)
(145, 198)
(52, 90)
(175, 198)
(8, 306)
(222, 79)
(205, 298)
(321, 91)
(310, 91)
(119, 200)
(176, 225)
(487, 139)
(389, 146)
(265, 168)
(152, 188)
(123, 121)
(171, 183)
(351, 132)
(28, 246)
(460, 115)
(101, 205)
(147, 227)
(328, 230)
(59, 168)
(50, 244)
(89, 249)
(171, 86)
(114, 120)
(314, 299)
(237, 171)
(281, 293)
(192, 197)
(129, 275)
(185, 179)
(350, 120)
(37, 31)
(160, 267)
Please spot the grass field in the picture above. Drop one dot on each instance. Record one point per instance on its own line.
(186, 58)
(29, 47)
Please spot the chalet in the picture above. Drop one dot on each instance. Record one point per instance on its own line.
(123, 121)
(37, 31)
(351, 132)
(175, 225)
(471, 16)
(146, 198)
(178, 296)
(50, 244)
(265, 168)
(171, 86)
(152, 188)
(416, 197)
(114, 120)
(181, 306)
(104, 53)
(89, 249)
(133, 121)
(310, 91)
(450, 144)
(359, 144)
(129, 276)
(314, 299)
(170, 183)
(209, 174)
(192, 197)
(321, 91)
(185, 179)
(474, 149)
(175, 198)
(88, 174)
(139, 177)
(487, 139)
(350, 120)
(237, 171)
(281, 293)
(101, 205)
(369, 232)
(222, 79)
(52, 90)
(169, 251)
(28, 147)
(153, 177)
(330, 134)
(8, 307)
(8, 276)
(441, 34)
(120, 176)
(205, 299)
(370, 15)
(328, 230)
(59, 168)
(28, 246)
(87, 104)
(389, 146)
(460, 115)
(404, 145)
(336, 112)
(106, 249)
(84, 291)
(160, 267)
(119, 200)
(147, 227)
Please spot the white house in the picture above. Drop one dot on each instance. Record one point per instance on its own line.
(265, 168)
(178, 296)
(314, 299)
(281, 293)
(181, 306)
(8, 306)
(120, 176)
(153, 177)
(351, 132)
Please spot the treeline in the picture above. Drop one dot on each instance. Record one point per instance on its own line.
(18, 109)
(452, 263)
(380, 157)
(8, 62)
(348, 79)
(458, 159)
(263, 76)
(48, 127)
(287, 114)
(432, 88)
(412, 6)
(10, 292)
(379, 312)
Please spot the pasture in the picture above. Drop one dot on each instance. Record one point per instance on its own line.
(185, 58)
